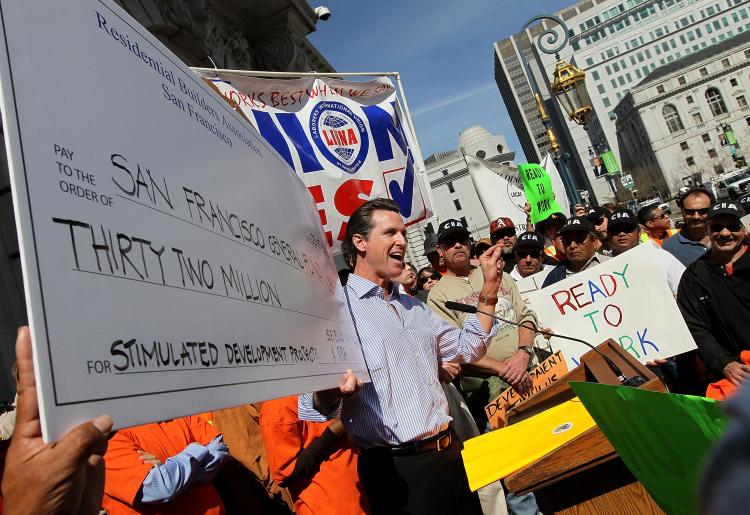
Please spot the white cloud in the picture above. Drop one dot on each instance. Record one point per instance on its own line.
(454, 99)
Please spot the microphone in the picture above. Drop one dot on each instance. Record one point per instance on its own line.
(634, 381)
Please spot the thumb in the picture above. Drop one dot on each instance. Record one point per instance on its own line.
(85, 440)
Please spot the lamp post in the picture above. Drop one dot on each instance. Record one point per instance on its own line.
(568, 86)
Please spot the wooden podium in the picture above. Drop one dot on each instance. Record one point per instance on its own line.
(584, 476)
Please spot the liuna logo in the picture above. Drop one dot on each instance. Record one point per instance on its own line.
(340, 135)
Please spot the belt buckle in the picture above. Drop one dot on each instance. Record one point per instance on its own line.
(440, 447)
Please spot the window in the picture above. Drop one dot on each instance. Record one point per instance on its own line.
(684, 145)
(725, 63)
(481, 154)
(615, 67)
(589, 61)
(715, 102)
(718, 169)
(672, 117)
(500, 149)
(681, 80)
(741, 101)
(451, 188)
(703, 72)
(706, 138)
(463, 220)
(747, 54)
(445, 173)
(660, 88)
(697, 118)
(689, 99)
(621, 80)
(733, 83)
(711, 152)
(606, 102)
(690, 161)
(457, 203)
(600, 88)
(595, 75)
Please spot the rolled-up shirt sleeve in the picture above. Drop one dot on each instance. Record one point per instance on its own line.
(464, 345)
(306, 410)
(165, 482)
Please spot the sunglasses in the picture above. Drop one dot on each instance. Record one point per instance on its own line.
(701, 211)
(423, 279)
(533, 254)
(598, 221)
(660, 217)
(502, 233)
(578, 237)
(452, 240)
(731, 226)
(617, 229)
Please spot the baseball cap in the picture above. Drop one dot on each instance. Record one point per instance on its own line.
(745, 203)
(430, 243)
(725, 208)
(532, 239)
(623, 217)
(597, 212)
(577, 224)
(501, 223)
(449, 227)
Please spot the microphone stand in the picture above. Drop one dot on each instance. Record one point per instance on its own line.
(634, 381)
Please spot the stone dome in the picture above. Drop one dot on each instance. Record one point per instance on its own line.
(473, 135)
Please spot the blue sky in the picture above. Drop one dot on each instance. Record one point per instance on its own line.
(443, 51)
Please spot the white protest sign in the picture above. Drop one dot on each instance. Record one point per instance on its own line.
(172, 262)
(347, 141)
(500, 190)
(625, 298)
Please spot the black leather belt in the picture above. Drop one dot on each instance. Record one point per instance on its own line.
(439, 442)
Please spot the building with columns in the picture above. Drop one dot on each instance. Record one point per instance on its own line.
(671, 126)
(453, 192)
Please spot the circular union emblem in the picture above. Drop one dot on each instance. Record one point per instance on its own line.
(340, 135)
(562, 428)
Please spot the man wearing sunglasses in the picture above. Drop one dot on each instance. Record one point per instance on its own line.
(656, 224)
(503, 230)
(692, 241)
(528, 254)
(510, 352)
(714, 296)
(578, 241)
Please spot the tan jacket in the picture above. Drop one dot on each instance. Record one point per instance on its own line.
(466, 290)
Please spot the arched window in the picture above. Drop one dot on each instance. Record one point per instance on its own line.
(715, 102)
(672, 117)
(481, 154)
(500, 149)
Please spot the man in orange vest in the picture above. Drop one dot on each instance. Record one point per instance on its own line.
(656, 224)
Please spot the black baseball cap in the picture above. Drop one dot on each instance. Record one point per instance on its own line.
(745, 203)
(430, 243)
(725, 208)
(623, 217)
(577, 224)
(597, 212)
(531, 239)
(451, 227)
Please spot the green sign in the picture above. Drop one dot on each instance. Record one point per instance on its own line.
(627, 182)
(538, 189)
(663, 438)
(610, 162)
(729, 135)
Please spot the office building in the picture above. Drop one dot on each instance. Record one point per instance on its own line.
(618, 43)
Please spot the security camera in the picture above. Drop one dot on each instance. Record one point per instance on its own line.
(323, 12)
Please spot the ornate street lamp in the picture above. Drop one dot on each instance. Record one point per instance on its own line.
(569, 87)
